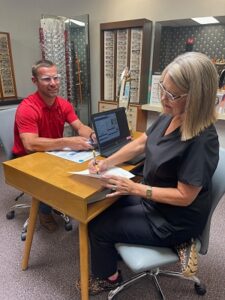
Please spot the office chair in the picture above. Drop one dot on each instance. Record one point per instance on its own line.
(147, 260)
(7, 117)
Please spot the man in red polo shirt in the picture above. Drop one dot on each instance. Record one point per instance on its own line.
(39, 124)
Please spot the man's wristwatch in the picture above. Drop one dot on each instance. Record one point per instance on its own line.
(149, 192)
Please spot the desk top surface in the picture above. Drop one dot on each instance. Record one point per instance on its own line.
(54, 171)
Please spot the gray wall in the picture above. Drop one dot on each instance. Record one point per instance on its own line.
(21, 20)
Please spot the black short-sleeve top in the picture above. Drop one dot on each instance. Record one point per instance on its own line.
(169, 160)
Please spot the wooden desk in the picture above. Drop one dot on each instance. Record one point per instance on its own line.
(45, 177)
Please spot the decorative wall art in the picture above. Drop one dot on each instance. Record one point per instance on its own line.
(7, 78)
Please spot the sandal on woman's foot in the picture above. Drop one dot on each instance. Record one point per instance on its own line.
(188, 256)
(97, 285)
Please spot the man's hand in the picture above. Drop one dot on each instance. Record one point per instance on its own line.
(79, 143)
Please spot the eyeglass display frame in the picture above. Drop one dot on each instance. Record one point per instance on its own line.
(65, 41)
(7, 76)
(125, 44)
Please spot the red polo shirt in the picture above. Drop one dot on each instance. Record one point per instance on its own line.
(34, 116)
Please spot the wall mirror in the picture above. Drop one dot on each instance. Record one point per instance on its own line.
(178, 36)
(65, 40)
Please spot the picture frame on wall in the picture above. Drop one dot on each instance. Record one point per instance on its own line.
(7, 77)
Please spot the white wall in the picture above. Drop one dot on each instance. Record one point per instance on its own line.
(21, 19)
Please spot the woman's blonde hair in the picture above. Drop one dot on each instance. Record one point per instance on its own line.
(194, 73)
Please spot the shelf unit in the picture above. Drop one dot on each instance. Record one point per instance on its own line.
(125, 44)
(149, 107)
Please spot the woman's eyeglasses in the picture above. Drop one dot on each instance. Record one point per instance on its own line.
(168, 95)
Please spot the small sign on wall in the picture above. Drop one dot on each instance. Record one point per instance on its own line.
(154, 90)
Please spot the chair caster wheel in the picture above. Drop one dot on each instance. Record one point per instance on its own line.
(10, 215)
(200, 289)
(23, 236)
(68, 226)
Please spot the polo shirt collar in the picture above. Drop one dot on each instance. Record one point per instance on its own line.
(42, 103)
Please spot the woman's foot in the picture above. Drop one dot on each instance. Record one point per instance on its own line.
(97, 285)
(188, 256)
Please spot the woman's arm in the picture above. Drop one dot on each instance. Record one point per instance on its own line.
(126, 153)
(182, 195)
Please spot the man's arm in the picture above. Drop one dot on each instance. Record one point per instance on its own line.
(81, 129)
(32, 143)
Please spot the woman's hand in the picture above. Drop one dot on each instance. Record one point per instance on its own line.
(97, 166)
(119, 185)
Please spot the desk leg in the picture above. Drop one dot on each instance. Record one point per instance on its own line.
(30, 232)
(84, 264)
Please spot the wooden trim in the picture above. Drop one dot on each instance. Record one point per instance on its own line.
(141, 119)
(123, 24)
(102, 82)
(115, 65)
(156, 51)
(145, 63)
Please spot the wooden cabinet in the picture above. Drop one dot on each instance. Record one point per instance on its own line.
(125, 44)
(106, 105)
(136, 117)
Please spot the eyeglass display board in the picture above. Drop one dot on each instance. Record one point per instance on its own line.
(125, 44)
(66, 42)
(7, 78)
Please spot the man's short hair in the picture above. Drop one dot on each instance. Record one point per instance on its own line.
(41, 63)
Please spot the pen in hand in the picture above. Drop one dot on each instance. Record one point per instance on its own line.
(95, 163)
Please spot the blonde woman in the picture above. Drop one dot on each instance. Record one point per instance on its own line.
(171, 206)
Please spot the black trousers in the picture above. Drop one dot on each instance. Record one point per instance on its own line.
(125, 221)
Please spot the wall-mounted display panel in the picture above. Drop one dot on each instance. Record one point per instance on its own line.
(65, 41)
(7, 78)
(175, 37)
(125, 44)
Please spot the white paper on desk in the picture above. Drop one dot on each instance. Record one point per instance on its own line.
(113, 171)
(75, 156)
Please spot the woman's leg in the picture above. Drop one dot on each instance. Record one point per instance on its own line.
(123, 222)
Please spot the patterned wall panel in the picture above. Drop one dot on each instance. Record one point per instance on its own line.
(208, 39)
(78, 37)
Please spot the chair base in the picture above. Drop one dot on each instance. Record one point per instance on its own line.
(199, 287)
(11, 214)
(67, 224)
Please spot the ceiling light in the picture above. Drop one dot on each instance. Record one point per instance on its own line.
(79, 23)
(206, 20)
